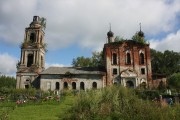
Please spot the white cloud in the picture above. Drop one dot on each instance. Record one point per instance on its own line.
(7, 64)
(55, 65)
(86, 21)
(170, 42)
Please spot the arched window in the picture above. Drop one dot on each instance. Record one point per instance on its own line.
(73, 85)
(65, 85)
(141, 58)
(30, 60)
(128, 58)
(57, 85)
(94, 85)
(33, 37)
(81, 85)
(114, 58)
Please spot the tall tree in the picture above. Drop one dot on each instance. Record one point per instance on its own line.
(174, 81)
(95, 61)
(167, 62)
(8, 82)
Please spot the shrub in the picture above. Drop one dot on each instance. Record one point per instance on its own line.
(117, 102)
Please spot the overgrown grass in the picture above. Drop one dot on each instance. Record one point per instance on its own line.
(45, 110)
(118, 103)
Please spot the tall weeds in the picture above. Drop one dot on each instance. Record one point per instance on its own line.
(118, 103)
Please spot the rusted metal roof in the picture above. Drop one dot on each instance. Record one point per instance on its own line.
(73, 70)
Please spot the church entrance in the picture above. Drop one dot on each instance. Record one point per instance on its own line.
(26, 86)
(129, 84)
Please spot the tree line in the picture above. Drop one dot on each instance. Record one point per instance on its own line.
(166, 63)
(7, 82)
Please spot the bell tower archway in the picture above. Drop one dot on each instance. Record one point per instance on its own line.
(32, 52)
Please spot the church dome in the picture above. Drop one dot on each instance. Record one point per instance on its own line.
(141, 34)
(110, 34)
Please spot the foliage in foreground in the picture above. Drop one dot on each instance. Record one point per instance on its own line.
(114, 103)
(174, 81)
(7, 82)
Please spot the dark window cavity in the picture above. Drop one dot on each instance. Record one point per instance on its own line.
(141, 58)
(114, 71)
(82, 85)
(143, 71)
(114, 58)
(30, 60)
(73, 85)
(65, 85)
(94, 85)
(57, 85)
(33, 37)
(128, 59)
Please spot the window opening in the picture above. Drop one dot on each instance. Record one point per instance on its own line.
(141, 58)
(30, 60)
(114, 71)
(128, 59)
(73, 85)
(114, 58)
(33, 37)
(65, 85)
(94, 85)
(82, 85)
(57, 85)
(143, 71)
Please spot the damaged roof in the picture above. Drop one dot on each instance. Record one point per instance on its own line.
(73, 70)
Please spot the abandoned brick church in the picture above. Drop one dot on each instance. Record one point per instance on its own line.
(126, 62)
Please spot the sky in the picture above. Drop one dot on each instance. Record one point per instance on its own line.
(79, 27)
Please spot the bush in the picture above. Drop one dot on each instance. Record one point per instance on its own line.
(116, 102)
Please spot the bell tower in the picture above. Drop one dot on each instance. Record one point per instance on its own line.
(32, 60)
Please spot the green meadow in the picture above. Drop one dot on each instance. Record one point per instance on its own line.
(110, 103)
(46, 110)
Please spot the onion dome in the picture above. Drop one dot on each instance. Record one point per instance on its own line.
(141, 34)
(110, 34)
